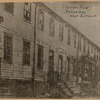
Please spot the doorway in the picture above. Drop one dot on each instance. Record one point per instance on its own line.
(60, 64)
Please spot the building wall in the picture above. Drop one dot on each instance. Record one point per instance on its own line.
(19, 29)
(61, 47)
(53, 43)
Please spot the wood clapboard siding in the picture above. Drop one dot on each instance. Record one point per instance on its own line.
(53, 43)
(19, 29)
(6, 70)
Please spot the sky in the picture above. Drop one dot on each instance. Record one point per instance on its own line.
(84, 16)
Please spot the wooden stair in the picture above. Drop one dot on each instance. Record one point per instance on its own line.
(4, 90)
(74, 88)
(66, 90)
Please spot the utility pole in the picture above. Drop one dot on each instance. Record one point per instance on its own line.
(34, 54)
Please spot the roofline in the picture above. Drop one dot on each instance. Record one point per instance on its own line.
(61, 20)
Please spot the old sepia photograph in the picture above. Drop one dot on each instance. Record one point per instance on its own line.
(50, 50)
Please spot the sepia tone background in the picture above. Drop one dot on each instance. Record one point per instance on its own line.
(88, 26)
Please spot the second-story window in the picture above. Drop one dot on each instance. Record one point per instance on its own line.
(88, 51)
(84, 47)
(27, 11)
(91, 49)
(26, 52)
(9, 7)
(51, 27)
(74, 38)
(79, 43)
(94, 53)
(60, 32)
(41, 20)
(68, 37)
(97, 55)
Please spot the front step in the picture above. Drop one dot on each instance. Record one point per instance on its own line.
(5, 95)
(4, 92)
(4, 89)
(75, 89)
(66, 90)
(63, 90)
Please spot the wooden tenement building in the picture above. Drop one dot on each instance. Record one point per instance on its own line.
(39, 49)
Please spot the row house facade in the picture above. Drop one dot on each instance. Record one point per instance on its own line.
(69, 55)
(17, 45)
(39, 46)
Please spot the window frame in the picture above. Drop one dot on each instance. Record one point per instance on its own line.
(51, 27)
(40, 57)
(79, 43)
(5, 48)
(40, 26)
(69, 37)
(6, 10)
(60, 64)
(99, 58)
(84, 46)
(88, 48)
(28, 11)
(28, 54)
(61, 32)
(91, 49)
(74, 38)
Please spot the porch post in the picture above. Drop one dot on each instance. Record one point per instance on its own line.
(1, 20)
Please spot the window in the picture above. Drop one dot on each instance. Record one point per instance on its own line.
(9, 7)
(94, 53)
(40, 57)
(84, 47)
(93, 72)
(52, 27)
(68, 38)
(91, 49)
(41, 20)
(51, 60)
(60, 64)
(8, 48)
(98, 55)
(27, 11)
(88, 49)
(74, 67)
(26, 52)
(74, 38)
(99, 58)
(69, 68)
(80, 43)
(60, 32)
(86, 71)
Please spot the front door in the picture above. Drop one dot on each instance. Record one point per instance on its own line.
(68, 68)
(60, 62)
(51, 65)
